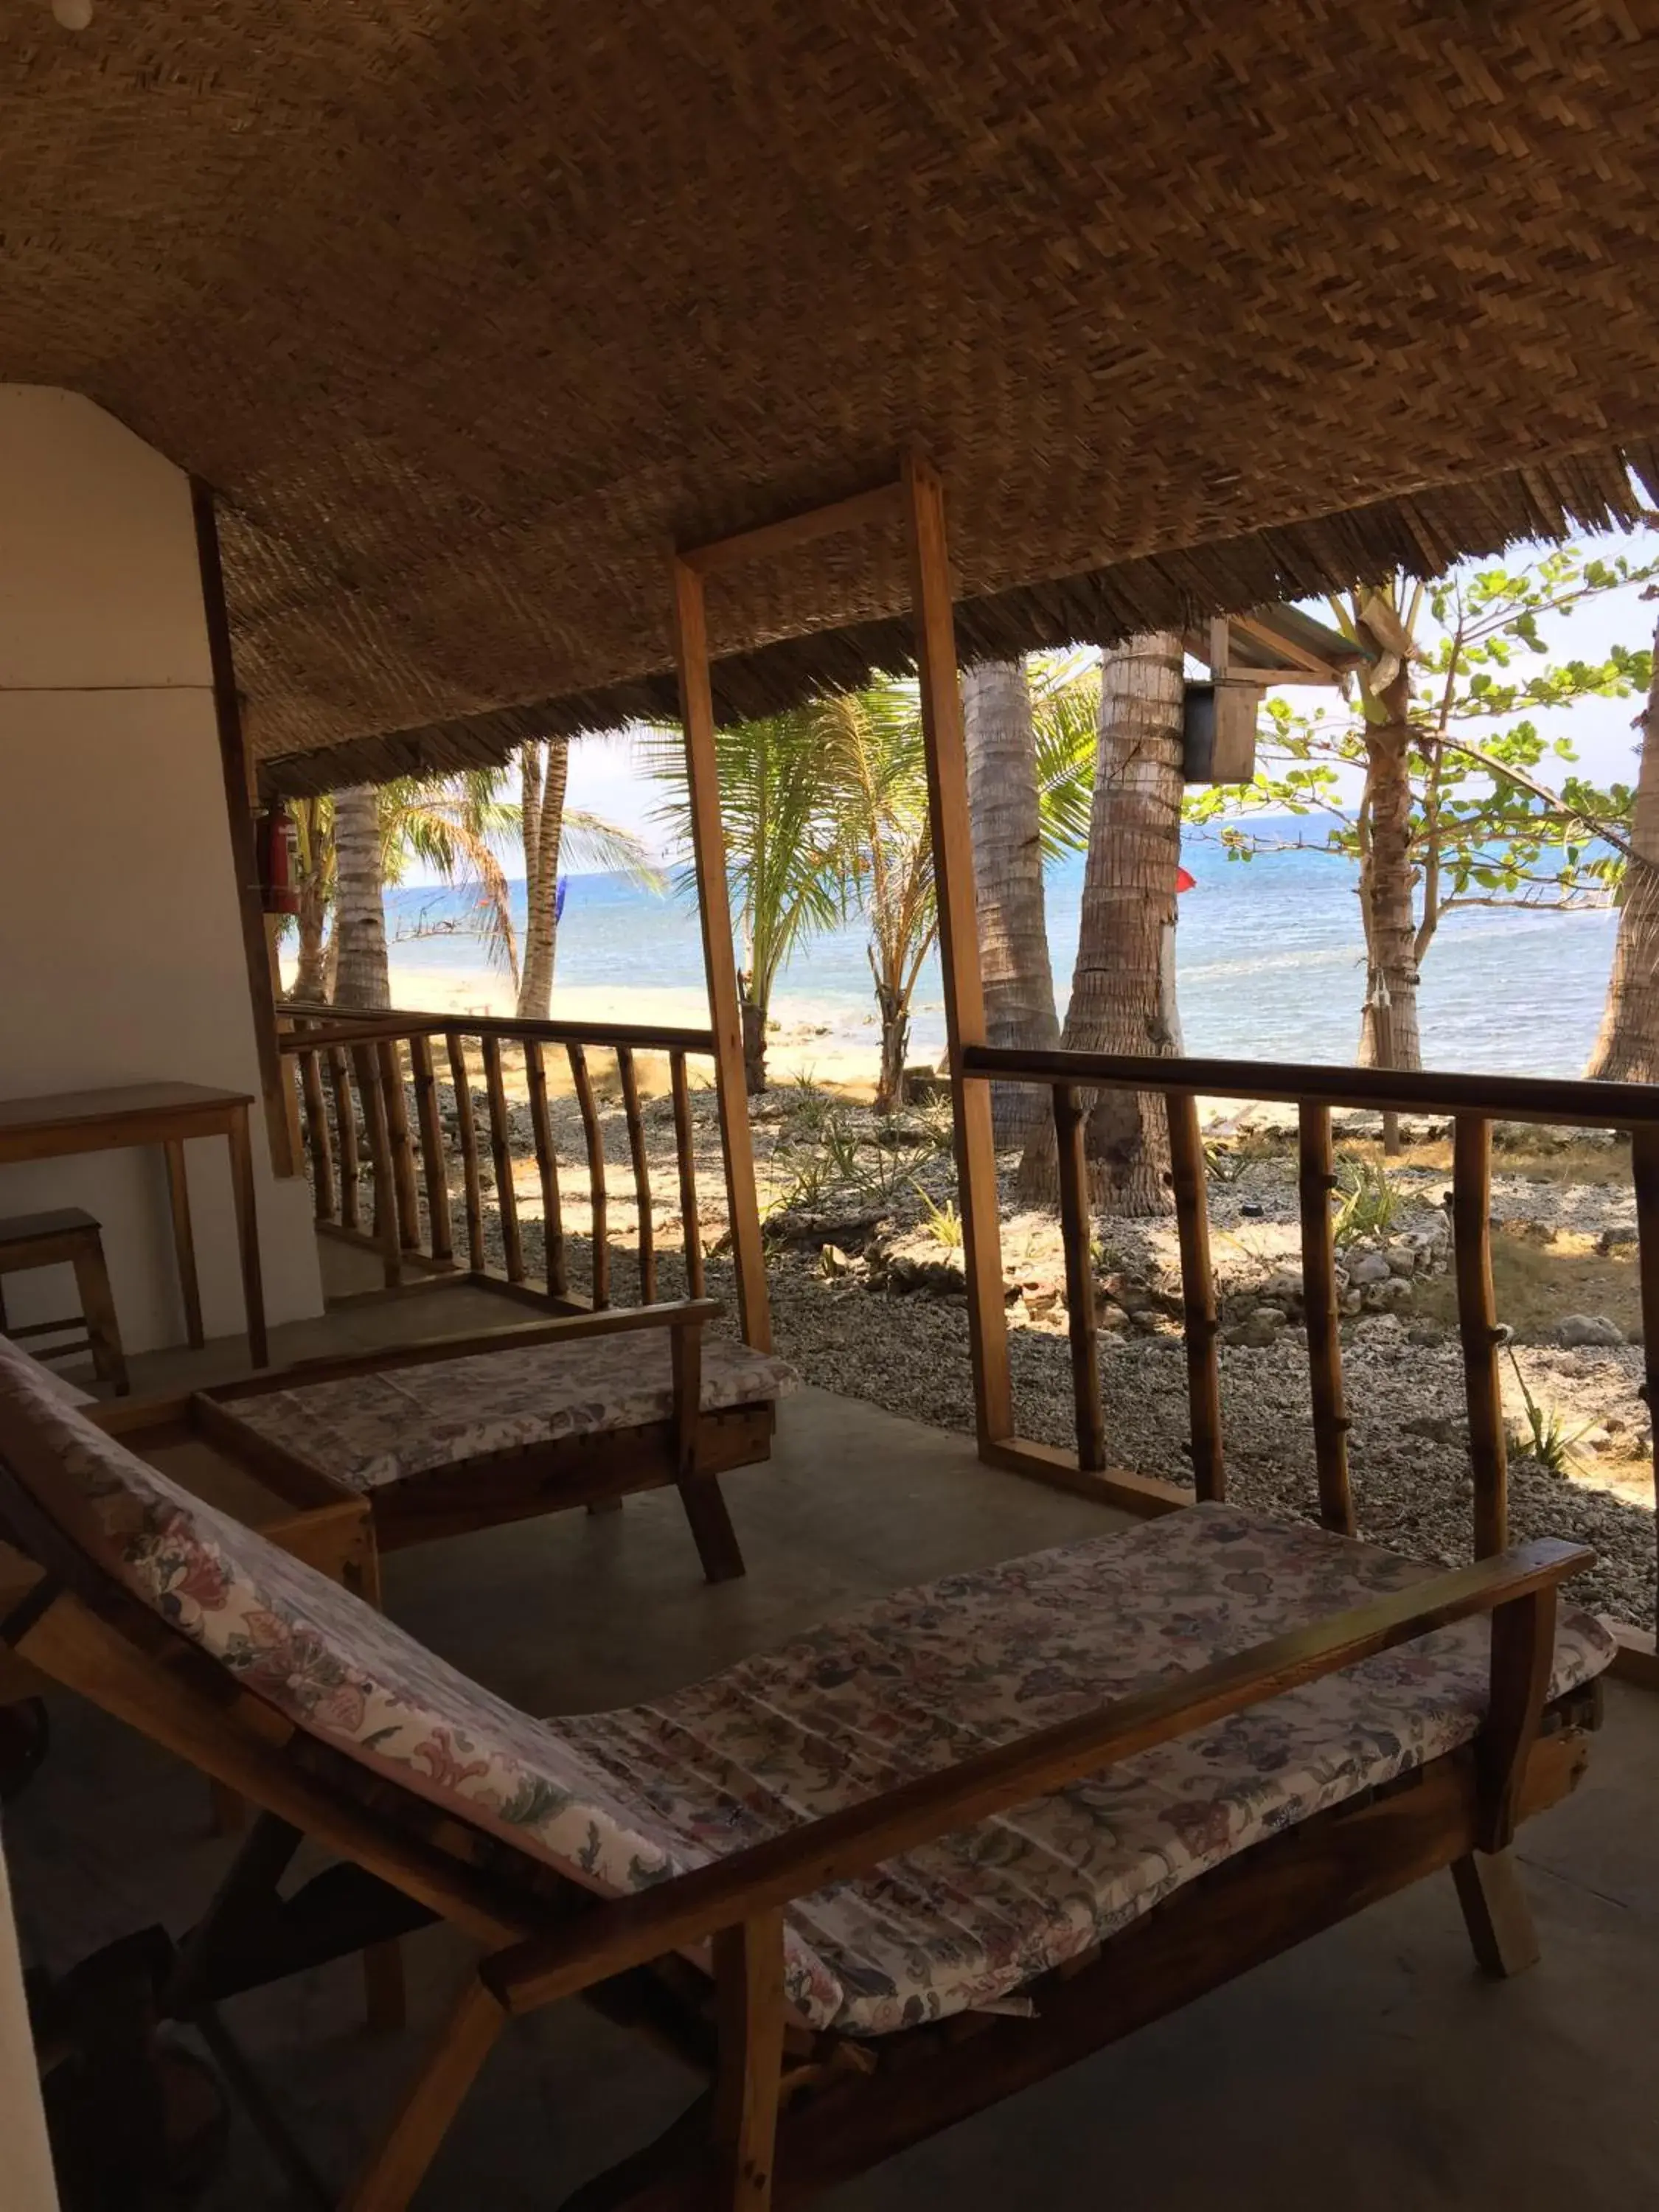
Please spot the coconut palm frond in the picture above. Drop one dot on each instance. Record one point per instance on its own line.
(1065, 711)
(593, 842)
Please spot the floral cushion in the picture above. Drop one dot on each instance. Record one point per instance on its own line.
(370, 1430)
(620, 1800)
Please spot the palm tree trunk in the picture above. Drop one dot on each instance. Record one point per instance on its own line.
(1122, 998)
(311, 972)
(1627, 1045)
(361, 977)
(1013, 930)
(545, 770)
(895, 1047)
(1389, 1033)
(754, 1040)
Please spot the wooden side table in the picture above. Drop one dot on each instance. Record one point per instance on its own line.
(168, 1114)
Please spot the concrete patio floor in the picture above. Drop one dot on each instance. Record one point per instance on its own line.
(1371, 2069)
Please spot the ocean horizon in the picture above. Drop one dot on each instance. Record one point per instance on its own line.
(1269, 966)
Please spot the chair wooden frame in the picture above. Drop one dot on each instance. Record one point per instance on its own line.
(790, 2111)
(689, 1451)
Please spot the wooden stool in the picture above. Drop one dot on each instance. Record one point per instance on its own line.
(67, 1238)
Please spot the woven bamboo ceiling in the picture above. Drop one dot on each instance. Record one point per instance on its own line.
(469, 308)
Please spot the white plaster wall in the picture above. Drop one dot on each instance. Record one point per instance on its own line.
(121, 956)
(28, 2184)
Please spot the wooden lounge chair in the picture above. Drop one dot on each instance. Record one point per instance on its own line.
(1216, 1734)
(463, 1432)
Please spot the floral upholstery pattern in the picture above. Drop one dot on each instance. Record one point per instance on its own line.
(904, 1687)
(368, 1431)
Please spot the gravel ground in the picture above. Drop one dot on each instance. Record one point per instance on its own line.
(908, 1353)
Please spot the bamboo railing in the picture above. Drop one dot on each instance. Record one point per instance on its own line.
(1472, 1102)
(358, 1074)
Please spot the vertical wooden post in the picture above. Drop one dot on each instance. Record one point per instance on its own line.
(1477, 1326)
(1317, 1179)
(1074, 1177)
(547, 1166)
(958, 945)
(322, 1152)
(628, 1076)
(1199, 1324)
(432, 1146)
(365, 1059)
(406, 1189)
(345, 1131)
(500, 1154)
(1644, 1167)
(581, 1084)
(720, 964)
(274, 1079)
(466, 1129)
(749, 2009)
(684, 1133)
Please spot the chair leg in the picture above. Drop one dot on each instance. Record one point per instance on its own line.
(1495, 1913)
(749, 2009)
(98, 1309)
(712, 1532)
(429, 2104)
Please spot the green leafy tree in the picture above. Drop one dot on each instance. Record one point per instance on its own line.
(1446, 776)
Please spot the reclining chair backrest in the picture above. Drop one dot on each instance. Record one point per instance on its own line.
(326, 1661)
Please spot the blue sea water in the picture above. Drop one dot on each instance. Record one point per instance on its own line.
(1269, 964)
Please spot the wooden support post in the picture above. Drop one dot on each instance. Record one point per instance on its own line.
(434, 1170)
(547, 1167)
(958, 945)
(233, 753)
(684, 1134)
(1477, 1328)
(629, 1077)
(1199, 1324)
(719, 962)
(1317, 1180)
(749, 2008)
(366, 1065)
(466, 1129)
(322, 1152)
(500, 1154)
(345, 1135)
(582, 1083)
(406, 1189)
(1644, 1167)
(1073, 1171)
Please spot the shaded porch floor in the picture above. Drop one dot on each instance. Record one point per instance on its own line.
(1373, 2068)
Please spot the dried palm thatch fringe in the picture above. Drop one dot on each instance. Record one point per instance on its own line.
(469, 309)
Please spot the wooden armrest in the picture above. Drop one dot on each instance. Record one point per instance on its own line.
(673, 1914)
(684, 1314)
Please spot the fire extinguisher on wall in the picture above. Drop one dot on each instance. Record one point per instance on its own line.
(276, 842)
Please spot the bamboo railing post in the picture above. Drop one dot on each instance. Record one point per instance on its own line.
(433, 1163)
(1069, 1121)
(322, 1152)
(720, 964)
(365, 1059)
(404, 1187)
(750, 2006)
(1186, 1173)
(686, 1158)
(1477, 1328)
(1316, 1181)
(500, 1154)
(547, 1166)
(946, 757)
(345, 1136)
(466, 1129)
(1645, 1169)
(628, 1076)
(582, 1085)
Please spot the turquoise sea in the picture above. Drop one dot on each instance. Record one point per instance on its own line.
(1269, 963)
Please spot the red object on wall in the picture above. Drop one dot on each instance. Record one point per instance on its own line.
(277, 845)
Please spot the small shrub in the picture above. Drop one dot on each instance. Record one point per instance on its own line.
(1545, 1437)
(1367, 1203)
(943, 1221)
